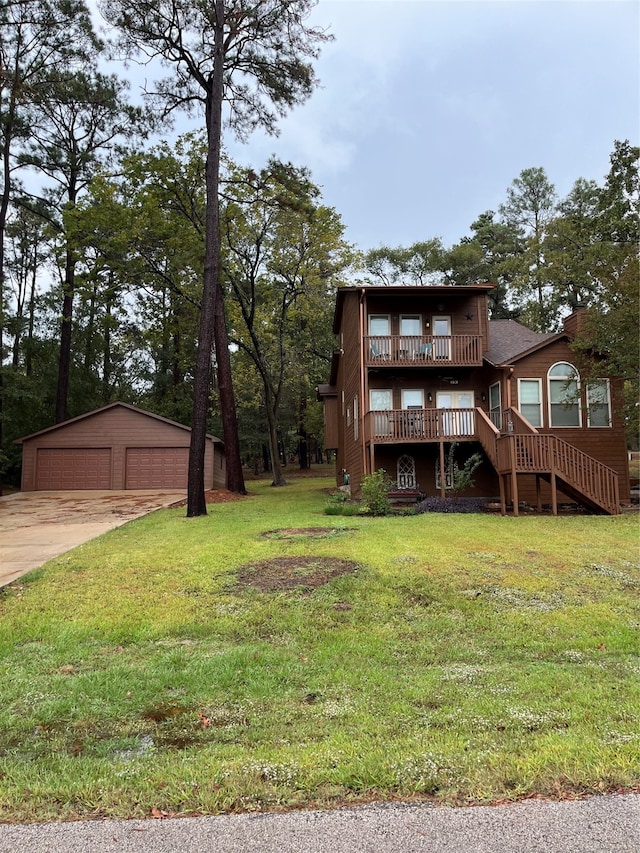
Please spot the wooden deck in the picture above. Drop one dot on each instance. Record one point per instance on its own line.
(516, 449)
(398, 426)
(423, 350)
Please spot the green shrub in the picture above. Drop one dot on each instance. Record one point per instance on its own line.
(375, 493)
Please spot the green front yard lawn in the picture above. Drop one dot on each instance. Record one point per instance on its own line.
(249, 661)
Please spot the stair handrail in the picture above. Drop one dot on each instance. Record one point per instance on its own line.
(590, 476)
(593, 479)
(488, 434)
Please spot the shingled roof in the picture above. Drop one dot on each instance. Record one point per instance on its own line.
(511, 340)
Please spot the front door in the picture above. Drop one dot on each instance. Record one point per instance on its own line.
(456, 422)
(442, 338)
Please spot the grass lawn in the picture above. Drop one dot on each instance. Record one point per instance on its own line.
(238, 662)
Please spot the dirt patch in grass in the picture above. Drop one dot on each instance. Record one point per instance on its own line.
(293, 573)
(301, 532)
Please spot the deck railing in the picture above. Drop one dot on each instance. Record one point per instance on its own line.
(522, 450)
(537, 453)
(488, 435)
(423, 350)
(406, 425)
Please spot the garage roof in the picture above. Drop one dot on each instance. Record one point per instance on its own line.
(106, 408)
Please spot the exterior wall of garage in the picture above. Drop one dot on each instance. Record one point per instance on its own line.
(66, 456)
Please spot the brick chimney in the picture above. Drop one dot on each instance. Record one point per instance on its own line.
(574, 323)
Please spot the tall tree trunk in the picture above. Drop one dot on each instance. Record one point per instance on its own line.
(212, 321)
(64, 359)
(4, 209)
(303, 444)
(28, 350)
(106, 360)
(88, 349)
(274, 446)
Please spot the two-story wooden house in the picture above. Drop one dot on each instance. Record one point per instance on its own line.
(419, 368)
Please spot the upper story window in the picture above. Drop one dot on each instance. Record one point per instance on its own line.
(380, 332)
(379, 324)
(410, 324)
(564, 395)
(598, 403)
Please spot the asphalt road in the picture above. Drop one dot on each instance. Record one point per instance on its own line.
(608, 824)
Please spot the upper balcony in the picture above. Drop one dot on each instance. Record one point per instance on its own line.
(423, 350)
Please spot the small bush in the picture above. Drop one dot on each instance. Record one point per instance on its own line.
(375, 493)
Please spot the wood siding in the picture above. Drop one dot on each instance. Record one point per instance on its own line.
(380, 439)
(350, 366)
(330, 422)
(115, 430)
(606, 444)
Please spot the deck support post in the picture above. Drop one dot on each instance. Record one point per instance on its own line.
(372, 459)
(503, 503)
(514, 474)
(443, 473)
(538, 494)
(554, 494)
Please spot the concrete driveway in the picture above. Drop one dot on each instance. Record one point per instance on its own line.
(38, 526)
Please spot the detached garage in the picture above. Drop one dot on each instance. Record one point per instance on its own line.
(116, 447)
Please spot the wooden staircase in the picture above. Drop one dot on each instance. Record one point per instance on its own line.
(518, 448)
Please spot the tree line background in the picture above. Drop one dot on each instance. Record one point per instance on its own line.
(103, 250)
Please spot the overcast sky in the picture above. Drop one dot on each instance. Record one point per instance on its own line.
(428, 110)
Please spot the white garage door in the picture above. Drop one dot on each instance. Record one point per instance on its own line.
(157, 467)
(73, 468)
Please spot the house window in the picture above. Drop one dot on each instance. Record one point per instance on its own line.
(380, 335)
(410, 424)
(495, 405)
(410, 335)
(381, 399)
(564, 395)
(530, 400)
(598, 403)
(406, 472)
(412, 398)
(380, 404)
(449, 473)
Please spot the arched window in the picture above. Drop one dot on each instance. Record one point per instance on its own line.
(406, 472)
(564, 395)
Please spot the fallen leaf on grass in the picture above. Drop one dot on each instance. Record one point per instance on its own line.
(160, 813)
